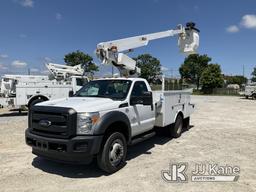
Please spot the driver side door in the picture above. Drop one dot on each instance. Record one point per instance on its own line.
(143, 116)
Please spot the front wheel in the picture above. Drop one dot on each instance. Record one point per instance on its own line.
(113, 153)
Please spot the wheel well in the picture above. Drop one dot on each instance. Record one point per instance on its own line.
(118, 126)
(37, 97)
(181, 114)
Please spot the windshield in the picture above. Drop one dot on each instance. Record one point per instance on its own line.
(113, 89)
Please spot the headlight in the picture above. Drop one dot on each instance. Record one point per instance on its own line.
(85, 122)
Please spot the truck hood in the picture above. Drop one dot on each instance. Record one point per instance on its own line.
(84, 104)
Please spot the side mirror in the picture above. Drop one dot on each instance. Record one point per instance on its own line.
(145, 99)
(71, 93)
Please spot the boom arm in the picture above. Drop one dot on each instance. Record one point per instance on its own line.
(110, 52)
(137, 41)
(62, 72)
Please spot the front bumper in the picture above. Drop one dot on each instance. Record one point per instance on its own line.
(79, 149)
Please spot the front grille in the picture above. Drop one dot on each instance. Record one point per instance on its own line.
(62, 121)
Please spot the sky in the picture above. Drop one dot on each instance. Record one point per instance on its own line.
(35, 31)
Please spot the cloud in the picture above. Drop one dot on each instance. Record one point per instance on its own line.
(249, 21)
(34, 70)
(19, 64)
(58, 16)
(3, 56)
(232, 29)
(2, 67)
(48, 59)
(27, 3)
(164, 68)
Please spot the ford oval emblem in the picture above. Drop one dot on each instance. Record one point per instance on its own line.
(45, 123)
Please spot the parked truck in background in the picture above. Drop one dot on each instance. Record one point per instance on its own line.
(27, 90)
(250, 91)
(107, 115)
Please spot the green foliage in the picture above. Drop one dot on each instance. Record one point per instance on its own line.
(91, 68)
(211, 78)
(150, 67)
(237, 79)
(78, 57)
(176, 84)
(254, 75)
(193, 67)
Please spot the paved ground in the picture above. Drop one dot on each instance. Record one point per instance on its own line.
(223, 132)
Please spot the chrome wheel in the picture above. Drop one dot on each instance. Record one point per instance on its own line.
(179, 128)
(112, 156)
(116, 152)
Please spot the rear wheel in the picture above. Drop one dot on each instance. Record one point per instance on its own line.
(186, 123)
(176, 129)
(113, 153)
(254, 96)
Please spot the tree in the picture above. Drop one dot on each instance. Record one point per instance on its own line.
(254, 75)
(149, 65)
(176, 85)
(193, 67)
(78, 57)
(237, 79)
(211, 78)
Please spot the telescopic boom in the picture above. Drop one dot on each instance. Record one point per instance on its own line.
(110, 52)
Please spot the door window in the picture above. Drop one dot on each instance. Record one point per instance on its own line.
(139, 88)
(80, 81)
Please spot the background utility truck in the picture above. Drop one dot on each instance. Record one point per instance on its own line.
(250, 91)
(27, 90)
(107, 115)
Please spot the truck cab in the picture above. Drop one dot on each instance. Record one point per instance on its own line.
(100, 120)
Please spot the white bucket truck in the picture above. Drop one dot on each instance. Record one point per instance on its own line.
(250, 91)
(107, 115)
(27, 90)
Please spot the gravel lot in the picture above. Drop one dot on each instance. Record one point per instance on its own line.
(223, 132)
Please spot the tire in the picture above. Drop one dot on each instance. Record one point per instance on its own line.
(254, 96)
(112, 156)
(176, 129)
(186, 123)
(39, 100)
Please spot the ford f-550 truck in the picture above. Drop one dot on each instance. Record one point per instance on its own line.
(107, 115)
(103, 118)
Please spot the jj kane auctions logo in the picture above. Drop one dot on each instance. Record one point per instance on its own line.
(201, 173)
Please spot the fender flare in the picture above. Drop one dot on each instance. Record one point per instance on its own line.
(36, 96)
(109, 118)
(178, 112)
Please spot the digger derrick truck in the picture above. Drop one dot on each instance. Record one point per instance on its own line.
(109, 114)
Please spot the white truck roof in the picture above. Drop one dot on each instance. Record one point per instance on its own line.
(122, 78)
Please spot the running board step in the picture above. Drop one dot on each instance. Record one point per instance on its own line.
(142, 138)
